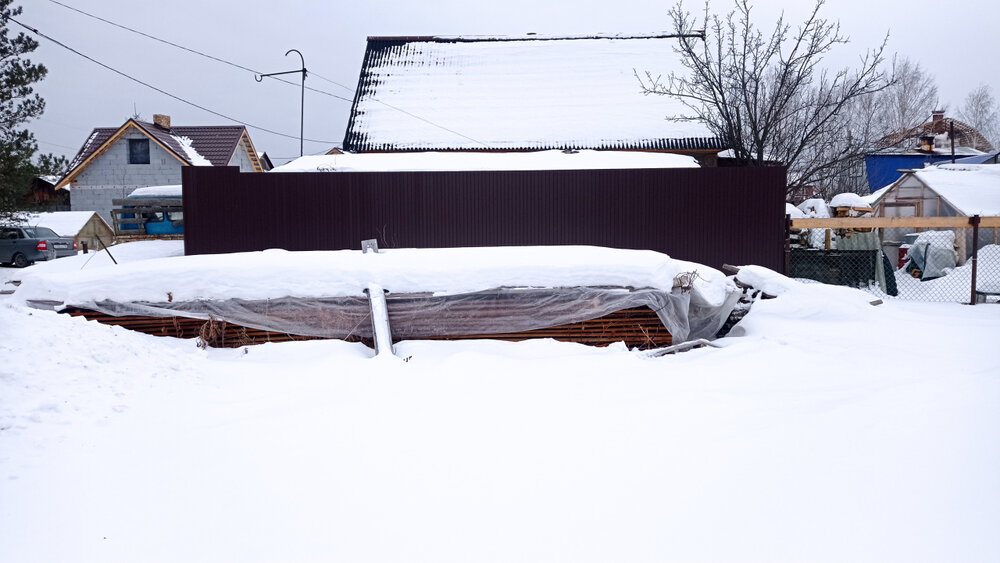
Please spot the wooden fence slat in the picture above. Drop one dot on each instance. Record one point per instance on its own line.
(889, 222)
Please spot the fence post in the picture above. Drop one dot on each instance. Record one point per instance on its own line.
(974, 221)
(788, 245)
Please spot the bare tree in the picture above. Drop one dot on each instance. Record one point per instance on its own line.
(768, 95)
(908, 101)
(980, 111)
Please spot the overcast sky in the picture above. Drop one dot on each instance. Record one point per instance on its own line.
(956, 42)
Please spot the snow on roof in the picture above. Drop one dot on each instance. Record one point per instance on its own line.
(938, 150)
(64, 223)
(793, 211)
(452, 161)
(157, 191)
(280, 273)
(873, 197)
(980, 159)
(815, 207)
(973, 189)
(434, 93)
(198, 145)
(189, 151)
(848, 199)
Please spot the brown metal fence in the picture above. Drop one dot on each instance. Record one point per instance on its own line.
(952, 259)
(712, 216)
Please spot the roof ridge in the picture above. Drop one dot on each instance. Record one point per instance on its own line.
(527, 37)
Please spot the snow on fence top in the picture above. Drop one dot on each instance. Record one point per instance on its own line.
(458, 161)
(525, 93)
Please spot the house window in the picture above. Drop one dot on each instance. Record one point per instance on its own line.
(138, 151)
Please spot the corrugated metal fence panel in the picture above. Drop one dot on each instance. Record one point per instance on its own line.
(707, 215)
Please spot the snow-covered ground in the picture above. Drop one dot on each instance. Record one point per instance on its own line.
(827, 429)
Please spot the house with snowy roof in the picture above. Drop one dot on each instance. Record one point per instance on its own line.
(116, 160)
(938, 140)
(519, 94)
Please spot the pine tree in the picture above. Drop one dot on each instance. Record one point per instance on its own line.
(18, 104)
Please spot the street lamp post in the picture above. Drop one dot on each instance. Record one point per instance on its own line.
(302, 117)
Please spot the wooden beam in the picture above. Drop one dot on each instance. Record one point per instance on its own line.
(889, 222)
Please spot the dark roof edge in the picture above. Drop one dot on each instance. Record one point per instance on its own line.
(500, 38)
(668, 144)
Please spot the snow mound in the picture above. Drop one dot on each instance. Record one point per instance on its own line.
(279, 273)
(795, 212)
(815, 207)
(848, 199)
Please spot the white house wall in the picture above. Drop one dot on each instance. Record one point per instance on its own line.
(241, 159)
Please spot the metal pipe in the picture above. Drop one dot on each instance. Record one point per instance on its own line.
(302, 107)
(381, 331)
(302, 112)
(951, 136)
(974, 221)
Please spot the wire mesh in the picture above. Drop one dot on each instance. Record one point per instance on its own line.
(960, 265)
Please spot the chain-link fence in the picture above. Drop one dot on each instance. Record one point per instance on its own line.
(953, 259)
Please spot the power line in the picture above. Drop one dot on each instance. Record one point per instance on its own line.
(57, 145)
(334, 82)
(160, 90)
(196, 52)
(241, 67)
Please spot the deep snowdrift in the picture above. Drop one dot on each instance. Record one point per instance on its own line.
(831, 430)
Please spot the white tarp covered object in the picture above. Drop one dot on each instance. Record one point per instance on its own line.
(934, 253)
(431, 291)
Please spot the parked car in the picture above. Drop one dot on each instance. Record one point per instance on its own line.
(20, 246)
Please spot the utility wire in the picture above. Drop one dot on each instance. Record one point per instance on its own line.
(160, 90)
(196, 52)
(334, 82)
(401, 110)
(57, 145)
(241, 67)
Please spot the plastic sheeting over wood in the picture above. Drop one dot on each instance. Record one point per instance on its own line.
(415, 316)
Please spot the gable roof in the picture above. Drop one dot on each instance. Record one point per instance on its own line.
(195, 145)
(523, 93)
(965, 136)
(66, 223)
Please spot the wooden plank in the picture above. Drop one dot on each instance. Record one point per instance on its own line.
(890, 222)
(638, 328)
